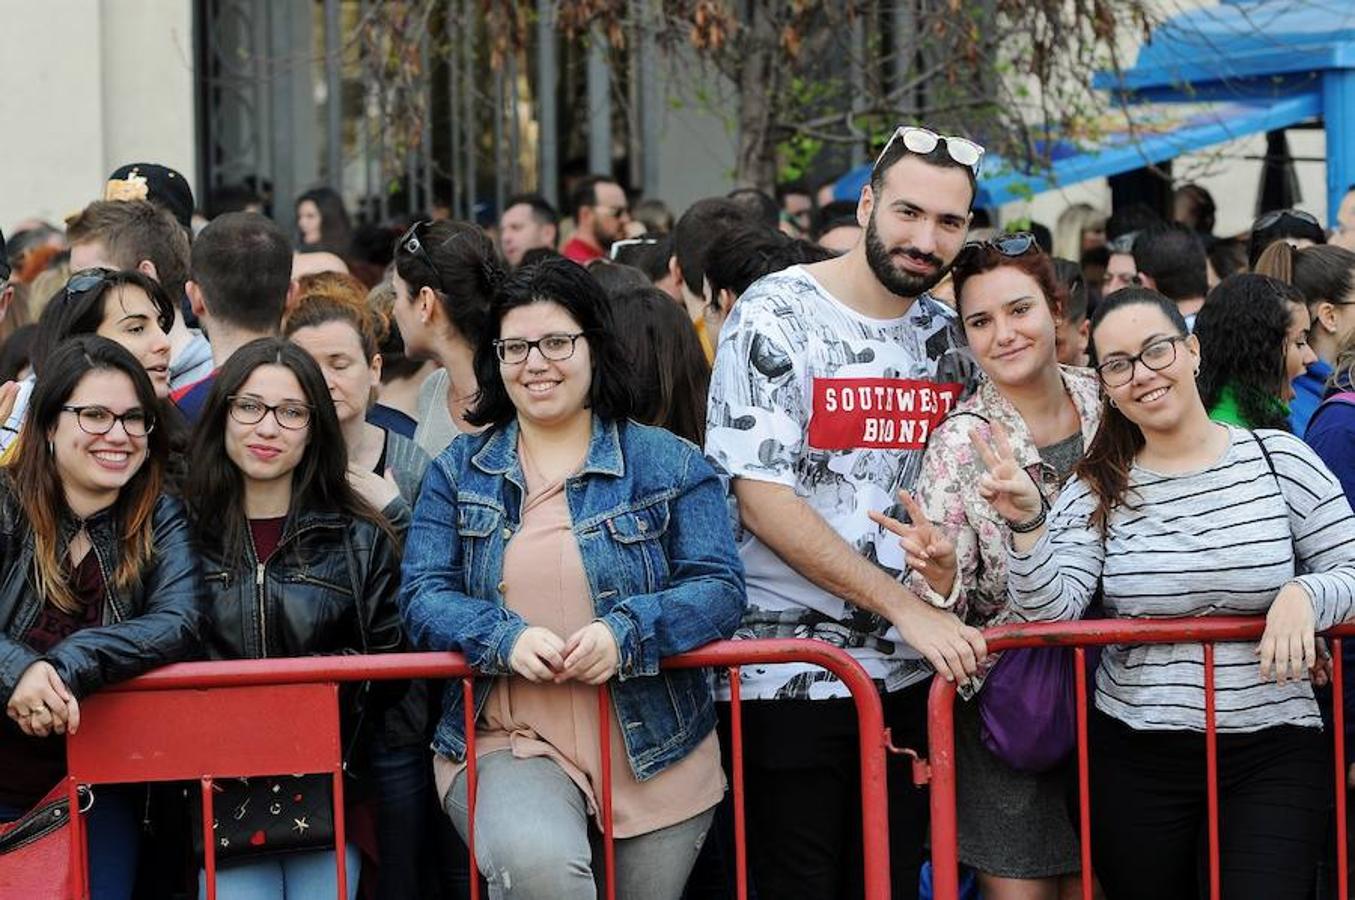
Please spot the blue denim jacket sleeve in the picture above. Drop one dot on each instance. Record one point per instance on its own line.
(439, 614)
(706, 595)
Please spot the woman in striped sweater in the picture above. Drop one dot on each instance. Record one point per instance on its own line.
(1174, 515)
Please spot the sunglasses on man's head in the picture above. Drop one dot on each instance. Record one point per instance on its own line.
(923, 141)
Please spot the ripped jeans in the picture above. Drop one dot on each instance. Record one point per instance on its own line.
(532, 838)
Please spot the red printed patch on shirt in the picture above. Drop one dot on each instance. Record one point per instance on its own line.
(877, 413)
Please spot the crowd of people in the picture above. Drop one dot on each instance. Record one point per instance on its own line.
(570, 446)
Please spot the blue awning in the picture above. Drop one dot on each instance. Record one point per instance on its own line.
(1112, 145)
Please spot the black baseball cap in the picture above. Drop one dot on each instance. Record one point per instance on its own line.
(159, 184)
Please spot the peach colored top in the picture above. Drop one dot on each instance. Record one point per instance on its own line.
(545, 583)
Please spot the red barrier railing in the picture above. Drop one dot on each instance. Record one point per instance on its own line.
(1082, 634)
(206, 720)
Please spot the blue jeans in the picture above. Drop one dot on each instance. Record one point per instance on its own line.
(532, 837)
(308, 875)
(114, 828)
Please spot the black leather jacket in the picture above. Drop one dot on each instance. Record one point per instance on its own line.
(158, 621)
(330, 587)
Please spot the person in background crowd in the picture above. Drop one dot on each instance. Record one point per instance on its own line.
(44, 286)
(797, 209)
(1246, 523)
(1080, 227)
(1072, 331)
(1014, 827)
(601, 213)
(16, 354)
(341, 336)
(372, 253)
(445, 276)
(1170, 259)
(397, 404)
(1344, 233)
(528, 222)
(652, 253)
(1227, 256)
(102, 581)
(241, 273)
(1193, 207)
(757, 206)
(14, 298)
(671, 375)
(1122, 228)
(322, 223)
(799, 349)
(616, 278)
(136, 234)
(747, 253)
(1253, 344)
(495, 570)
(270, 501)
(701, 227)
(1297, 227)
(158, 184)
(1325, 276)
(229, 198)
(837, 229)
(652, 216)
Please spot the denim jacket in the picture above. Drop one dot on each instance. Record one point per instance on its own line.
(650, 520)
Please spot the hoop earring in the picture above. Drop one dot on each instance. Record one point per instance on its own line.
(1113, 404)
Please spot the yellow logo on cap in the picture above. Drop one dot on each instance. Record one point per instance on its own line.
(133, 187)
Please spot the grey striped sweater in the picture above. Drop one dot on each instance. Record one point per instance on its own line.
(1219, 541)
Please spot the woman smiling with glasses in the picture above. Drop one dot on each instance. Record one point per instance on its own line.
(296, 564)
(564, 548)
(100, 582)
(1173, 515)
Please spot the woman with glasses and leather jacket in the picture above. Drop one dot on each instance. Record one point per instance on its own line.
(1014, 825)
(296, 562)
(98, 579)
(563, 549)
(445, 276)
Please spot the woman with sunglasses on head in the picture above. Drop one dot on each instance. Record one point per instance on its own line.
(1253, 333)
(565, 548)
(126, 307)
(296, 562)
(1014, 826)
(445, 276)
(100, 582)
(1175, 515)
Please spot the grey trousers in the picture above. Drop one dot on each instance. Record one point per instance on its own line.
(532, 838)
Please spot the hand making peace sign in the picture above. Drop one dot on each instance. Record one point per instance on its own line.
(1006, 486)
(928, 550)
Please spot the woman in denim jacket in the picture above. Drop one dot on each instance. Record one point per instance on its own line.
(567, 547)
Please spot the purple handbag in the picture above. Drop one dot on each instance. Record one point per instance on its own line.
(1027, 712)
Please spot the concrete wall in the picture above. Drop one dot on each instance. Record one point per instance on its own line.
(91, 84)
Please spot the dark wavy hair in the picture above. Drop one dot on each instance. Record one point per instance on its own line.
(215, 488)
(37, 484)
(69, 313)
(461, 267)
(1243, 329)
(570, 286)
(671, 375)
(336, 231)
(1106, 465)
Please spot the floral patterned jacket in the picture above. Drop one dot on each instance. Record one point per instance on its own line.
(947, 490)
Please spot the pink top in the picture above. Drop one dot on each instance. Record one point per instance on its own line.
(545, 583)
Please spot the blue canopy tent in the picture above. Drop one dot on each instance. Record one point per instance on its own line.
(1206, 76)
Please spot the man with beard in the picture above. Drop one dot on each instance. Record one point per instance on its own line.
(847, 364)
(601, 213)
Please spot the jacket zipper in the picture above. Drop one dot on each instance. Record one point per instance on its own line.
(259, 567)
(109, 588)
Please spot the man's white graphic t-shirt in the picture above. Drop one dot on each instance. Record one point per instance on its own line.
(812, 395)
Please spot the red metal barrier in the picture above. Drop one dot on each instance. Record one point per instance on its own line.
(1081, 634)
(172, 739)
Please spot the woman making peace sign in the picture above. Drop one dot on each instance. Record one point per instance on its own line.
(1175, 515)
(1014, 826)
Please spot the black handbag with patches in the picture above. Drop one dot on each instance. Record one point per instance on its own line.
(272, 814)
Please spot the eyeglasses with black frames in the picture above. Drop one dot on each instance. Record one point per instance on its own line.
(554, 347)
